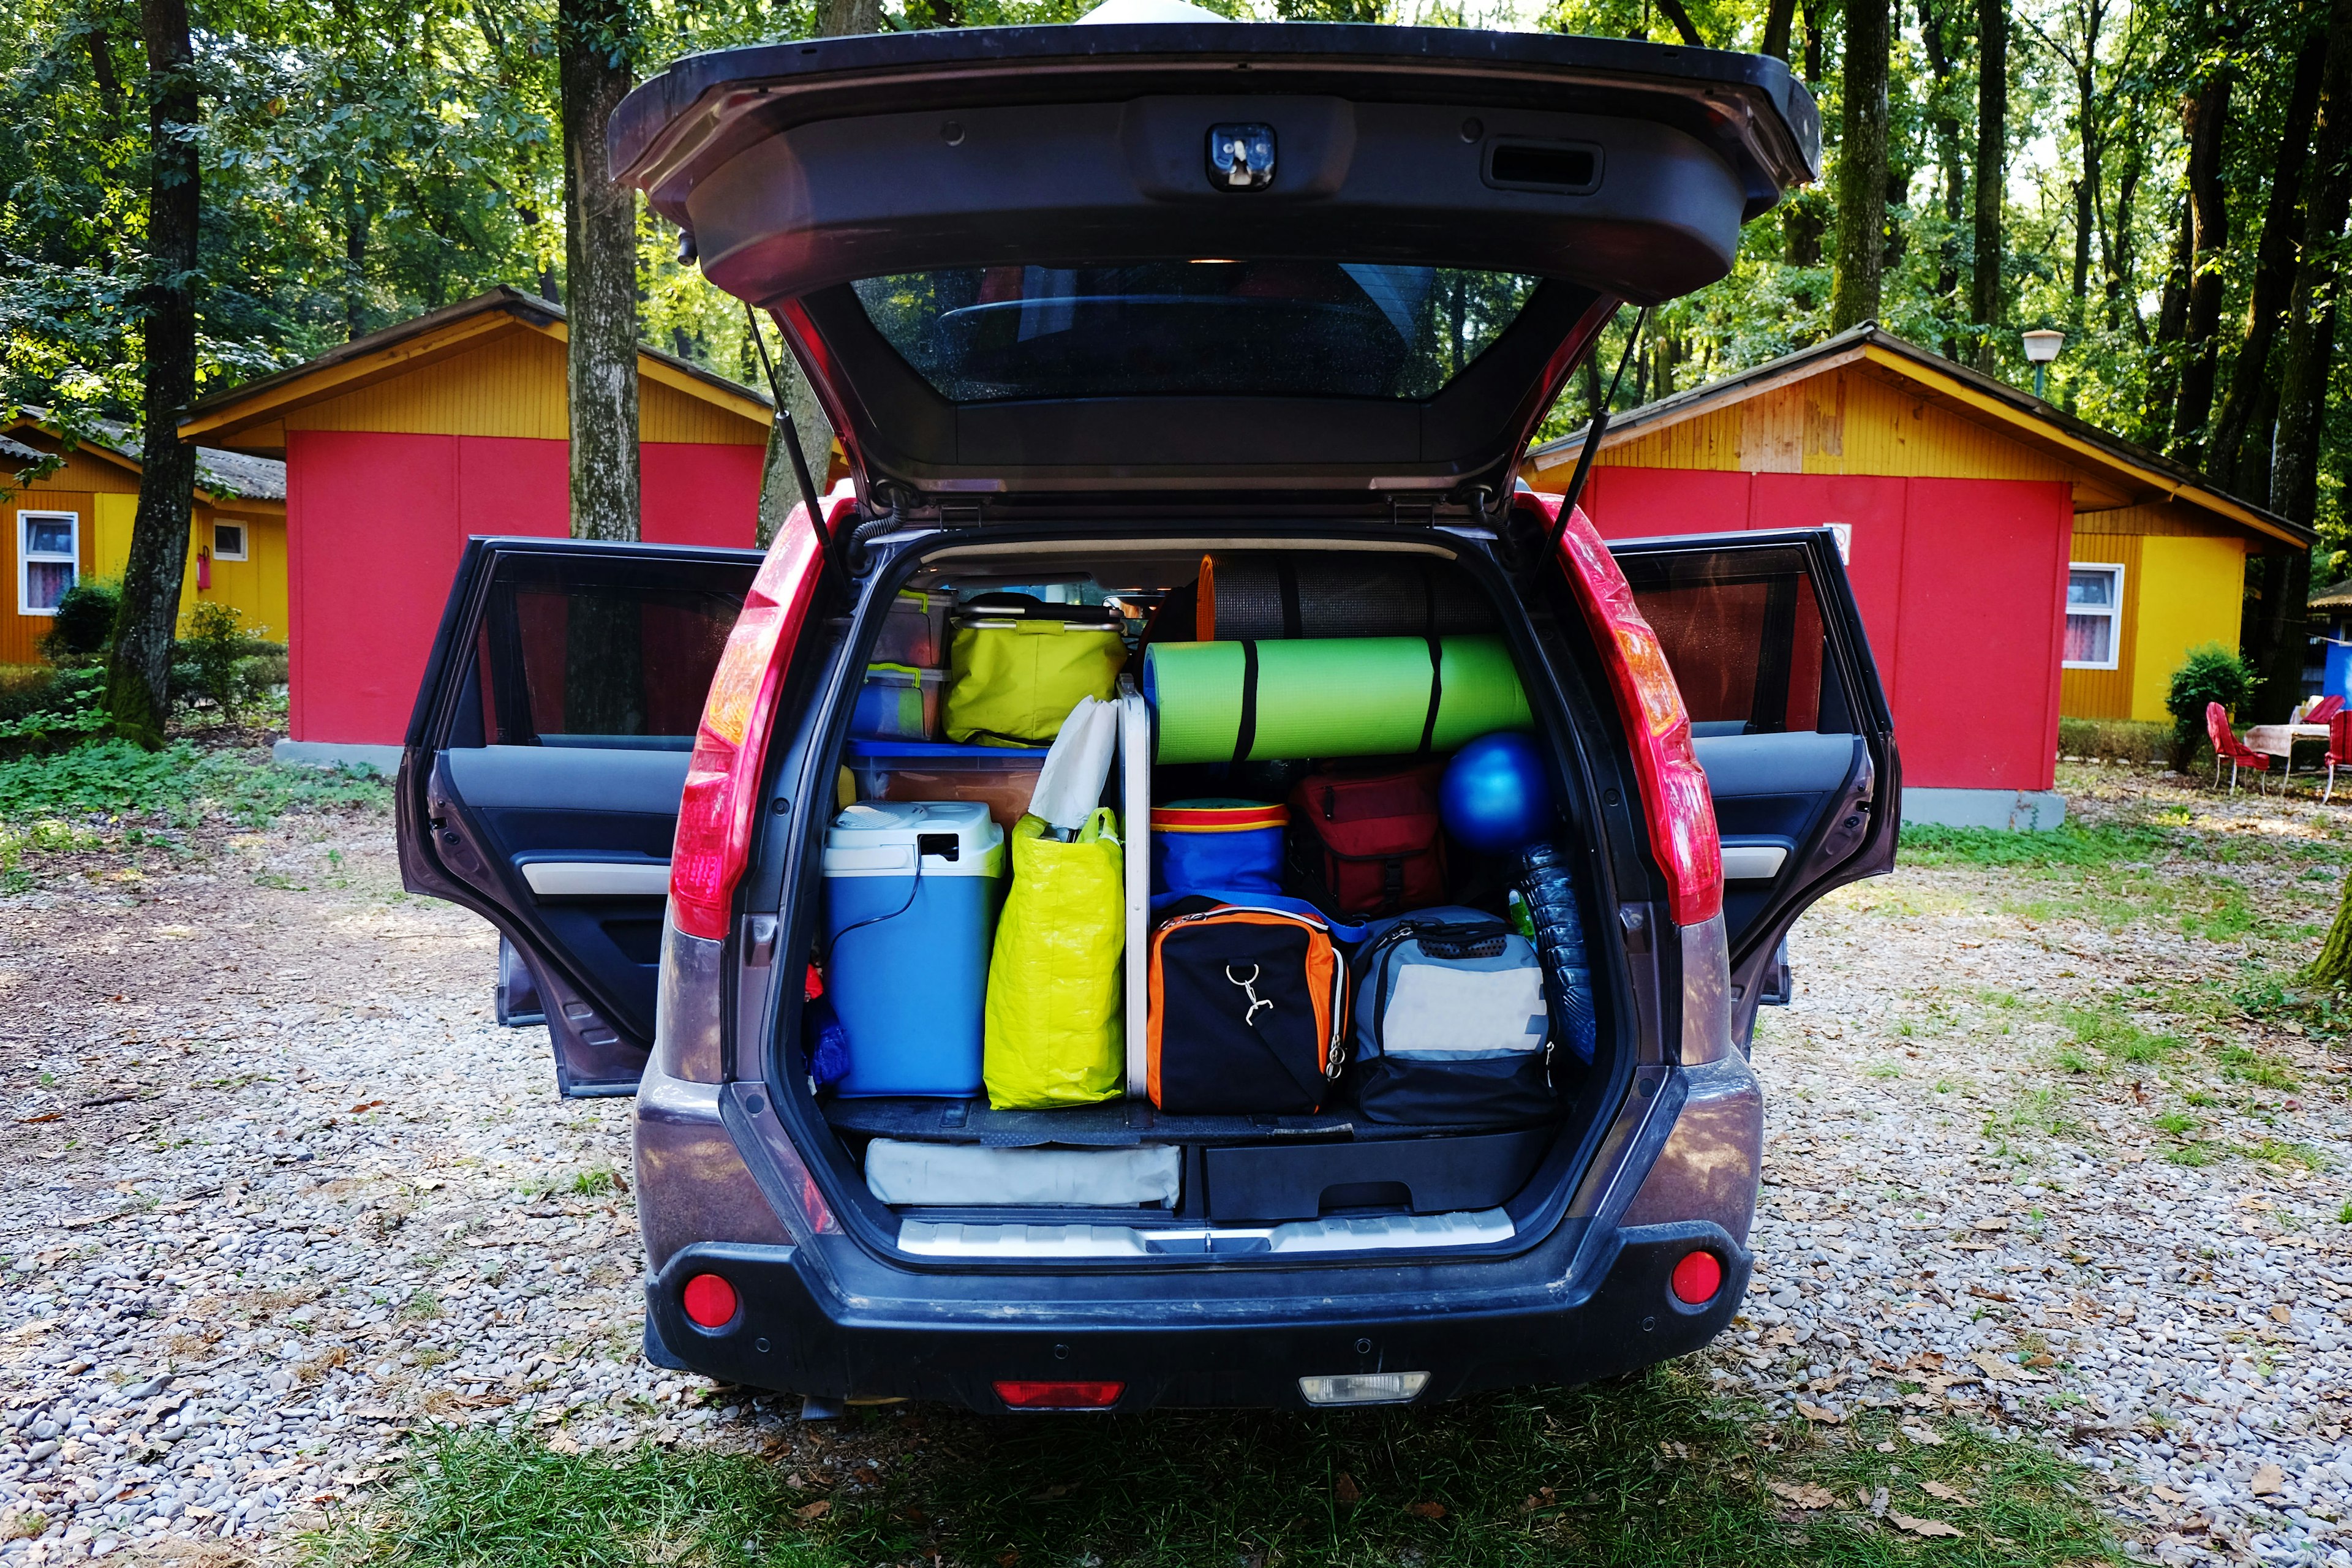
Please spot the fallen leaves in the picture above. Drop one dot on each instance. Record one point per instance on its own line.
(1345, 1488)
(1990, 1225)
(1943, 1493)
(44, 1116)
(1997, 1369)
(2269, 1482)
(1927, 1438)
(1426, 1509)
(2282, 1313)
(1904, 1521)
(1816, 1413)
(810, 1513)
(1803, 1494)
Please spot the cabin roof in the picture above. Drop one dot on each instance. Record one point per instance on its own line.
(2139, 474)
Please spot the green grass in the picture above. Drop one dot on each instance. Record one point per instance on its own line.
(1644, 1470)
(2068, 845)
(180, 783)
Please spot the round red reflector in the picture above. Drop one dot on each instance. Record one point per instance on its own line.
(1696, 1279)
(710, 1301)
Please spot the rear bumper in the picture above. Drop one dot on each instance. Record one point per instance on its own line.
(787, 1334)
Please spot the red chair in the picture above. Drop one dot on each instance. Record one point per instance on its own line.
(2324, 711)
(2228, 747)
(2339, 748)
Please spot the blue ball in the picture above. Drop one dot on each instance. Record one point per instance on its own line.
(1496, 797)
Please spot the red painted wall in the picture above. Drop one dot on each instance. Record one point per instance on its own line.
(1962, 587)
(376, 522)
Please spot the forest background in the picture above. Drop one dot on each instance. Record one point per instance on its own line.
(199, 194)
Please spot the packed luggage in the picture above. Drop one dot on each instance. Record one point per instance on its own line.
(1271, 848)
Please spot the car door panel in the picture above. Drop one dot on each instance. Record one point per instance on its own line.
(541, 777)
(1790, 722)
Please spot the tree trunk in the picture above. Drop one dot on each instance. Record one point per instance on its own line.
(1945, 123)
(109, 86)
(2087, 189)
(2119, 252)
(844, 19)
(2302, 380)
(1779, 17)
(2249, 373)
(600, 249)
(1862, 167)
(2205, 118)
(1683, 24)
(1985, 293)
(139, 668)
(356, 243)
(2333, 967)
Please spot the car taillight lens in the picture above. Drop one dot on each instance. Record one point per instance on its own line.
(1674, 786)
(722, 777)
(1026, 1396)
(1697, 1277)
(709, 1302)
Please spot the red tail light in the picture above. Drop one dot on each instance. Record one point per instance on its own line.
(709, 1302)
(1022, 1396)
(722, 778)
(1674, 786)
(1697, 1277)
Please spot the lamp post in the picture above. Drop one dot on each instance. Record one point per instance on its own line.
(2042, 346)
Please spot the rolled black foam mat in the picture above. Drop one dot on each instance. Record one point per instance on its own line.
(1267, 596)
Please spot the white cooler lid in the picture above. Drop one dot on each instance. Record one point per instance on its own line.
(877, 838)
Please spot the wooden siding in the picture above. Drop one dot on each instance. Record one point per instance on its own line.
(2164, 518)
(2106, 693)
(1849, 420)
(513, 386)
(21, 635)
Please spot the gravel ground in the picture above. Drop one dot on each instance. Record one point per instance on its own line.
(282, 1190)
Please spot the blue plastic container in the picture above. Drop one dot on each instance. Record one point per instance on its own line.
(907, 955)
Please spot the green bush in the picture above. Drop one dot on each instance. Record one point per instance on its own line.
(84, 622)
(2117, 739)
(41, 706)
(2209, 674)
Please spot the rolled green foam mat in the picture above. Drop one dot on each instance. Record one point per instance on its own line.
(1330, 697)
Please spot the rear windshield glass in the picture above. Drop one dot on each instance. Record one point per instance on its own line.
(1235, 329)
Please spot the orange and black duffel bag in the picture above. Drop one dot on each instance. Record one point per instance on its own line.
(1248, 1011)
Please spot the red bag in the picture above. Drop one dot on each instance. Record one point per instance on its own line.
(1364, 844)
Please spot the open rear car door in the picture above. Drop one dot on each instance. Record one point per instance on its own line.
(540, 781)
(1788, 720)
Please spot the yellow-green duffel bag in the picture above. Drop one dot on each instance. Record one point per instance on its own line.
(1055, 1030)
(1017, 665)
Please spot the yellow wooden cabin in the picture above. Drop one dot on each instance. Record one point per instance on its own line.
(1944, 473)
(74, 522)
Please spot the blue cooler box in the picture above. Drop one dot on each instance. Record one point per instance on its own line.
(907, 956)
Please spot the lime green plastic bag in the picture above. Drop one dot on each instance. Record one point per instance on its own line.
(1014, 685)
(1054, 1032)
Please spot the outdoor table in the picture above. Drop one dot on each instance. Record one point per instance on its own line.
(2278, 740)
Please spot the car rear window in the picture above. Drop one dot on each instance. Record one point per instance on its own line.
(1205, 326)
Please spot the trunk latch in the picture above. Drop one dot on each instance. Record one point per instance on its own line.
(1241, 157)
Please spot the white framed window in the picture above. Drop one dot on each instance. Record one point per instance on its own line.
(2095, 616)
(228, 541)
(49, 559)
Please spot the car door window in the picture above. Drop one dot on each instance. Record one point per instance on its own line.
(1745, 638)
(578, 653)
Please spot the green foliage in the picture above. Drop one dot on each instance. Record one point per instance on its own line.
(179, 784)
(41, 707)
(1641, 1470)
(84, 620)
(2116, 740)
(2067, 845)
(2210, 673)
